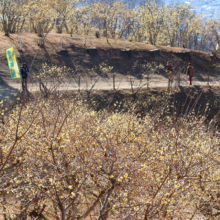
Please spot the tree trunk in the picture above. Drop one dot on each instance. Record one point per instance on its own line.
(5, 28)
(40, 31)
(63, 214)
(151, 39)
(22, 25)
(77, 28)
(172, 42)
(103, 214)
(114, 29)
(105, 29)
(59, 27)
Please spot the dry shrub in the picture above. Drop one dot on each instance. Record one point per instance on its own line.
(69, 162)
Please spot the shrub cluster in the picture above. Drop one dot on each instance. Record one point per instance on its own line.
(61, 160)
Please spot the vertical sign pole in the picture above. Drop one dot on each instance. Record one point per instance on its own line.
(90, 41)
(79, 84)
(208, 78)
(131, 86)
(124, 43)
(153, 43)
(182, 44)
(61, 46)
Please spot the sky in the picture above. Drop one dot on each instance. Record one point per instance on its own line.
(209, 7)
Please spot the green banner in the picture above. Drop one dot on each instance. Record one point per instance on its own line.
(12, 63)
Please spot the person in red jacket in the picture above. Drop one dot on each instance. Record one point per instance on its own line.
(190, 73)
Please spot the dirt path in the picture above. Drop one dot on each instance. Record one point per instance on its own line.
(9, 90)
(99, 83)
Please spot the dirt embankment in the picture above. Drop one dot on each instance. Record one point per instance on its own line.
(184, 100)
(109, 52)
(197, 100)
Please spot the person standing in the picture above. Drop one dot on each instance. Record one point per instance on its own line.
(190, 73)
(170, 73)
(24, 75)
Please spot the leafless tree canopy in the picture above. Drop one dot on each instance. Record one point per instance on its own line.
(137, 20)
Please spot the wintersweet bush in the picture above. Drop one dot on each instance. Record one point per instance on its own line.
(61, 160)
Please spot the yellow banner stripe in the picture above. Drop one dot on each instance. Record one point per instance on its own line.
(12, 63)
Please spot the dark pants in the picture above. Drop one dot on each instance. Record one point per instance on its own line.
(24, 83)
(190, 80)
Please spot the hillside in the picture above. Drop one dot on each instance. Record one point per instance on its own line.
(108, 52)
(108, 154)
